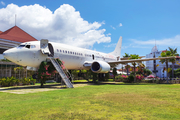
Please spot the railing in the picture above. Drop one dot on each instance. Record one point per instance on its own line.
(63, 72)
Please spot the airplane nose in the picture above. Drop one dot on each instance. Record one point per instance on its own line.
(5, 53)
(9, 54)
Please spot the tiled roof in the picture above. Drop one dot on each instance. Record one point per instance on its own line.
(1, 32)
(164, 50)
(16, 34)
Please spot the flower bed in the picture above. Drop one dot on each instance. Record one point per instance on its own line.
(121, 78)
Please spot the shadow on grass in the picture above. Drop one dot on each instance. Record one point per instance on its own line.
(50, 86)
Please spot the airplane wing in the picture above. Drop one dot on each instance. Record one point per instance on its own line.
(138, 60)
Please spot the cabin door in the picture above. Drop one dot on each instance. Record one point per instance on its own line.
(46, 47)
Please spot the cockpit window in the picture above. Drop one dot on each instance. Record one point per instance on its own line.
(27, 46)
(21, 45)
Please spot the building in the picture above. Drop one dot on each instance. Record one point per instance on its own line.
(156, 66)
(9, 39)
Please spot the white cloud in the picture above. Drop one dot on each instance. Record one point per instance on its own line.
(3, 3)
(120, 24)
(112, 27)
(174, 41)
(64, 25)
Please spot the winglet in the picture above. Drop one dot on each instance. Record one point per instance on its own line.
(117, 51)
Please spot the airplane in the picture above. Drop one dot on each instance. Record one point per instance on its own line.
(74, 58)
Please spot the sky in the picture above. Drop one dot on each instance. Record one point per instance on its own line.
(98, 24)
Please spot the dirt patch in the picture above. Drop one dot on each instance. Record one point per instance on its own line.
(25, 91)
(34, 89)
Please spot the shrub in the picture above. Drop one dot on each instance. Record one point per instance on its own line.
(4, 82)
(139, 77)
(121, 78)
(32, 81)
(130, 78)
(10, 81)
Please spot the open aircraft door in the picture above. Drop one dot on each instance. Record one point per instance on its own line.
(46, 47)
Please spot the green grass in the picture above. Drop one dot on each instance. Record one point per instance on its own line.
(122, 101)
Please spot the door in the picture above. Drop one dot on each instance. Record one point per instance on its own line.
(50, 47)
(47, 48)
(44, 46)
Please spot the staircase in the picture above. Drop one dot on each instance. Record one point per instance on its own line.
(63, 72)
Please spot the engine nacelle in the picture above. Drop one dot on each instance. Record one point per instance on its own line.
(100, 67)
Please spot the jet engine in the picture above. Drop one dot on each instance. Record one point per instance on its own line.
(100, 67)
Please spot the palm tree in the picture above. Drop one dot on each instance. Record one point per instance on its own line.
(127, 66)
(173, 60)
(134, 56)
(165, 54)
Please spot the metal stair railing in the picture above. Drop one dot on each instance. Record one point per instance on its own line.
(63, 72)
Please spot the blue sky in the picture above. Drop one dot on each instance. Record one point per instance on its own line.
(139, 22)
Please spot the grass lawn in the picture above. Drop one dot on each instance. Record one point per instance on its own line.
(122, 101)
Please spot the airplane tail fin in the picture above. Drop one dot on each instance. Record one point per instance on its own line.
(117, 51)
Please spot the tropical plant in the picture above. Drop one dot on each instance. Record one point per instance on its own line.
(134, 56)
(147, 72)
(114, 72)
(173, 60)
(177, 72)
(127, 66)
(165, 54)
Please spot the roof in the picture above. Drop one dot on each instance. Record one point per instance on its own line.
(154, 49)
(1, 32)
(16, 34)
(164, 50)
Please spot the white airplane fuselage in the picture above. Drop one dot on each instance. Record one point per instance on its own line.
(30, 54)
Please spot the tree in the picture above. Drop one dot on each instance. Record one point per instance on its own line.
(173, 60)
(134, 56)
(45, 71)
(147, 72)
(165, 54)
(127, 66)
(177, 72)
(114, 72)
